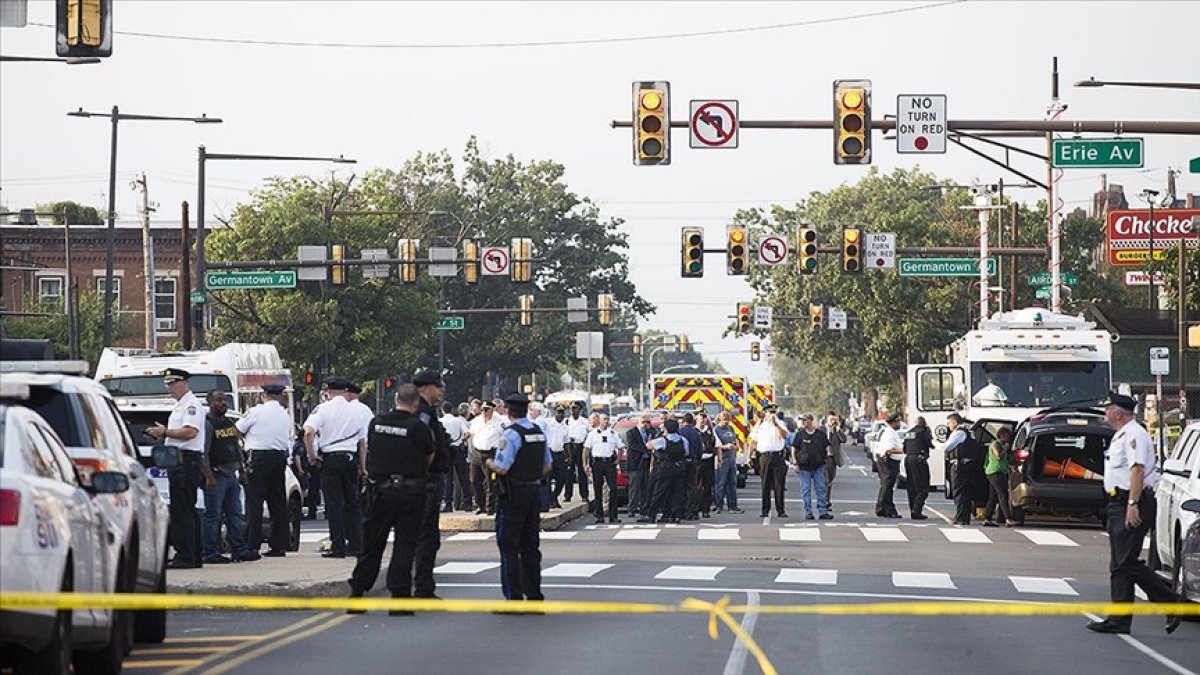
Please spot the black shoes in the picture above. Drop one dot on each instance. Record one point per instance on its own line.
(331, 554)
(217, 559)
(275, 553)
(356, 594)
(809, 516)
(645, 519)
(781, 515)
(480, 512)
(614, 520)
(249, 556)
(177, 564)
(764, 515)
(1173, 621)
(919, 516)
(1108, 626)
(826, 516)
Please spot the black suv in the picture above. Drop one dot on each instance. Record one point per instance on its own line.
(1057, 464)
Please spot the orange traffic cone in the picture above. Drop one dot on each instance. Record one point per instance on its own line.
(1068, 469)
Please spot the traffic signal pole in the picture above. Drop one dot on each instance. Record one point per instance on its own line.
(1185, 128)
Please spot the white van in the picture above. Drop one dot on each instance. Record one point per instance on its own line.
(1178, 481)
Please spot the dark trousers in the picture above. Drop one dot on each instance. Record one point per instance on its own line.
(517, 522)
(429, 539)
(1125, 569)
(998, 495)
(483, 486)
(771, 468)
(267, 484)
(889, 473)
(691, 493)
(457, 492)
(706, 474)
(917, 468)
(184, 530)
(389, 509)
(339, 484)
(604, 472)
(637, 484)
(831, 468)
(313, 499)
(668, 489)
(964, 500)
(560, 476)
(580, 476)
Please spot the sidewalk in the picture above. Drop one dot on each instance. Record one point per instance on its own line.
(306, 574)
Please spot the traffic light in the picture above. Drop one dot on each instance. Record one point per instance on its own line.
(651, 123)
(471, 261)
(522, 251)
(815, 313)
(736, 255)
(525, 302)
(637, 344)
(604, 303)
(743, 318)
(310, 378)
(755, 351)
(83, 28)
(852, 255)
(851, 121)
(692, 265)
(806, 250)
(408, 257)
(682, 344)
(337, 273)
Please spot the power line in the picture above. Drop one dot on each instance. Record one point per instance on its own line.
(544, 43)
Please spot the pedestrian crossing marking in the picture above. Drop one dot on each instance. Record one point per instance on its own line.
(807, 534)
(312, 537)
(575, 570)
(471, 536)
(719, 535)
(807, 576)
(882, 534)
(922, 580)
(558, 534)
(640, 535)
(465, 567)
(963, 536)
(1043, 585)
(689, 573)
(1046, 538)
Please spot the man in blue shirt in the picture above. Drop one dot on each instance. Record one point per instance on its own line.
(521, 462)
(690, 504)
(670, 453)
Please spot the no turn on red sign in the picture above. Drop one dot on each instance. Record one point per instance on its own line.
(713, 124)
(921, 124)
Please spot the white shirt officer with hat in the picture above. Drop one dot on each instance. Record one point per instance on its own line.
(267, 426)
(185, 426)
(335, 421)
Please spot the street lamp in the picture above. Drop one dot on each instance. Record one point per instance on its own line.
(1149, 196)
(685, 366)
(204, 156)
(69, 60)
(1093, 82)
(116, 116)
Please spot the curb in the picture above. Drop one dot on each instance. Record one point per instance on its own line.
(331, 588)
(552, 520)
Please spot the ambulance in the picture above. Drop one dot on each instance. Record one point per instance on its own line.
(713, 393)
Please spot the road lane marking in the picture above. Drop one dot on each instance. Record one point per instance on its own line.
(806, 534)
(960, 536)
(937, 513)
(642, 535)
(690, 573)
(1141, 647)
(736, 663)
(1044, 585)
(471, 536)
(558, 534)
(163, 651)
(214, 638)
(718, 535)
(185, 668)
(923, 580)
(465, 567)
(1047, 538)
(162, 663)
(276, 644)
(891, 534)
(807, 576)
(575, 570)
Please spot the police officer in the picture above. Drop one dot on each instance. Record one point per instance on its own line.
(267, 433)
(521, 463)
(340, 461)
(1130, 475)
(670, 453)
(431, 389)
(600, 452)
(917, 443)
(556, 440)
(578, 428)
(184, 430)
(400, 449)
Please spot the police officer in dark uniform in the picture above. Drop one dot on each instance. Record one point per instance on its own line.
(668, 471)
(400, 449)
(917, 443)
(431, 389)
(520, 464)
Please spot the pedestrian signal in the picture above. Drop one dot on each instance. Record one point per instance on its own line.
(693, 253)
(637, 344)
(471, 261)
(310, 378)
(852, 256)
(604, 305)
(408, 260)
(815, 315)
(743, 317)
(851, 121)
(522, 268)
(736, 251)
(83, 28)
(337, 253)
(651, 123)
(755, 351)
(682, 344)
(806, 250)
(525, 302)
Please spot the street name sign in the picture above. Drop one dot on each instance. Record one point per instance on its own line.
(1043, 278)
(452, 323)
(943, 267)
(879, 250)
(1042, 292)
(1097, 153)
(713, 124)
(249, 280)
(921, 124)
(198, 297)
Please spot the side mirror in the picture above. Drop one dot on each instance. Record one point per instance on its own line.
(1175, 466)
(1192, 505)
(165, 456)
(109, 482)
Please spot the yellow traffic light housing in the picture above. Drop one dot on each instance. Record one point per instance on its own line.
(83, 28)
(692, 263)
(851, 121)
(737, 251)
(525, 303)
(651, 123)
(408, 260)
(637, 344)
(743, 318)
(755, 351)
(815, 315)
(604, 303)
(852, 254)
(806, 250)
(1193, 337)
(470, 261)
(337, 272)
(522, 268)
(682, 344)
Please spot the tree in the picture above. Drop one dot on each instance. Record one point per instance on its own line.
(76, 213)
(54, 326)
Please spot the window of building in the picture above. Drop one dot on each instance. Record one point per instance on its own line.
(164, 304)
(50, 290)
(101, 288)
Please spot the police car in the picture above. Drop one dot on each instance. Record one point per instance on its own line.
(1178, 483)
(54, 537)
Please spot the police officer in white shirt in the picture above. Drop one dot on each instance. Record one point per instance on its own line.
(556, 441)
(485, 441)
(267, 435)
(888, 451)
(457, 491)
(1130, 475)
(600, 452)
(767, 438)
(340, 429)
(578, 428)
(184, 430)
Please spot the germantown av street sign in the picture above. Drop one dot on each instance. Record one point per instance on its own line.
(943, 267)
(226, 281)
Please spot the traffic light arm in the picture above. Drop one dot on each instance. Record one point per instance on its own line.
(1033, 126)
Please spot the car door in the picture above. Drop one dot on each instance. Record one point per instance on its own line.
(151, 510)
(1171, 492)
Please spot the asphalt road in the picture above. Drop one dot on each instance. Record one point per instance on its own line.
(856, 558)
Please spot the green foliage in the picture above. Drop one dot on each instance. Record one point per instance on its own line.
(77, 214)
(54, 327)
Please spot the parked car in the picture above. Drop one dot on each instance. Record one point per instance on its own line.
(82, 414)
(1187, 579)
(1057, 465)
(54, 537)
(1178, 482)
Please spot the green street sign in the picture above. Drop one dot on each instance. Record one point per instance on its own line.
(1194, 165)
(451, 323)
(1097, 153)
(943, 267)
(198, 297)
(1042, 293)
(606, 376)
(1043, 278)
(221, 281)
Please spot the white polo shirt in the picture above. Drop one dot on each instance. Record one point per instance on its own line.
(556, 434)
(485, 435)
(603, 443)
(578, 429)
(267, 426)
(1130, 445)
(339, 425)
(766, 435)
(188, 412)
(889, 438)
(455, 426)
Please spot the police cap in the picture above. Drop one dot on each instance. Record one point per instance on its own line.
(171, 375)
(1121, 401)
(273, 389)
(516, 398)
(427, 376)
(893, 418)
(487, 405)
(337, 383)
(353, 388)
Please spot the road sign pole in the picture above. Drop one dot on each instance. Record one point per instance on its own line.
(1158, 446)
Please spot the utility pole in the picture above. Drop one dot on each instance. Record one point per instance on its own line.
(1053, 222)
(147, 260)
(185, 272)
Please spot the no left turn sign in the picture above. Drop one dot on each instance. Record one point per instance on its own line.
(713, 124)
(772, 250)
(494, 261)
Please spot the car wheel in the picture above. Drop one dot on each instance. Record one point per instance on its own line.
(55, 657)
(107, 659)
(150, 625)
(1177, 584)
(295, 515)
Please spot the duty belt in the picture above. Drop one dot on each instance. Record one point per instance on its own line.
(1121, 494)
(349, 456)
(603, 459)
(524, 483)
(398, 482)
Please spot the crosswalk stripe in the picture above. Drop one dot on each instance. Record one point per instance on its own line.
(1047, 538)
(689, 573)
(641, 535)
(312, 537)
(805, 534)
(718, 535)
(922, 580)
(465, 567)
(471, 536)
(558, 534)
(1044, 585)
(575, 570)
(965, 536)
(807, 576)
(882, 534)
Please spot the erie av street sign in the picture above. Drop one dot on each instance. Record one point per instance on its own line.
(219, 281)
(1043, 278)
(451, 323)
(1097, 153)
(943, 267)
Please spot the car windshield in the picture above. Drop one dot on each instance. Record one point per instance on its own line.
(1037, 385)
(152, 385)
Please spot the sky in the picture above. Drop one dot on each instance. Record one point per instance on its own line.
(420, 89)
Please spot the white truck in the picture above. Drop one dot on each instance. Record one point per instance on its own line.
(1010, 367)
